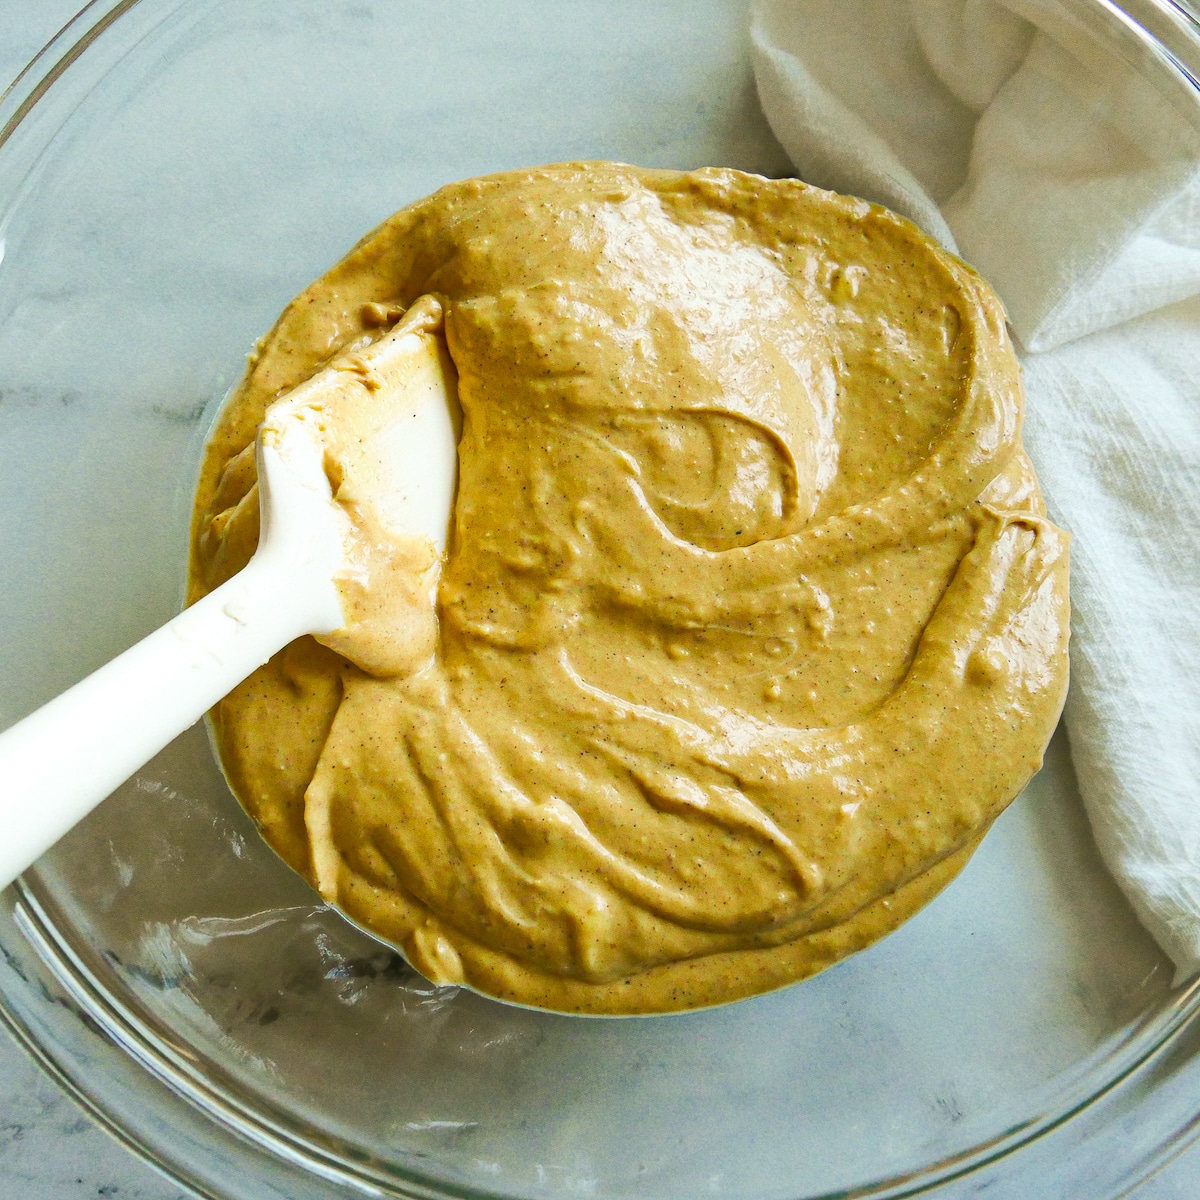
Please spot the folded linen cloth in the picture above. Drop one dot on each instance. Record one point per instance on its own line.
(1019, 136)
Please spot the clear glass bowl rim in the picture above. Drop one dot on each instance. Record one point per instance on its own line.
(1171, 30)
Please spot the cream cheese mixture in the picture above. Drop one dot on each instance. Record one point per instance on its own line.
(750, 622)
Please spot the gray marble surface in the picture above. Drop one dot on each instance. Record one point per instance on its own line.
(48, 1148)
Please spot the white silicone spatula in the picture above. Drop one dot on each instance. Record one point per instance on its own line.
(58, 763)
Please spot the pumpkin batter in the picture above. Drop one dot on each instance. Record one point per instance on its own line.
(750, 622)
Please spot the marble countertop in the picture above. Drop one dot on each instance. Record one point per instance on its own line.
(49, 1149)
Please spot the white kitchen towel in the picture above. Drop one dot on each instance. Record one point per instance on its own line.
(1031, 142)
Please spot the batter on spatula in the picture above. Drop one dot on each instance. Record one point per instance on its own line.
(750, 622)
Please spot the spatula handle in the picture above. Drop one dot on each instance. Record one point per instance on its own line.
(62, 760)
(58, 763)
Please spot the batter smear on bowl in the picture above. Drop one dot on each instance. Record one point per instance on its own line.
(750, 622)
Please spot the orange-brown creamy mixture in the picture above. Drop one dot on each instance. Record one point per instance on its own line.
(750, 623)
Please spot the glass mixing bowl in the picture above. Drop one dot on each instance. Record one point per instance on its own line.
(171, 173)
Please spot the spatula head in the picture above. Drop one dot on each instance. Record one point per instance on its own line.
(359, 471)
